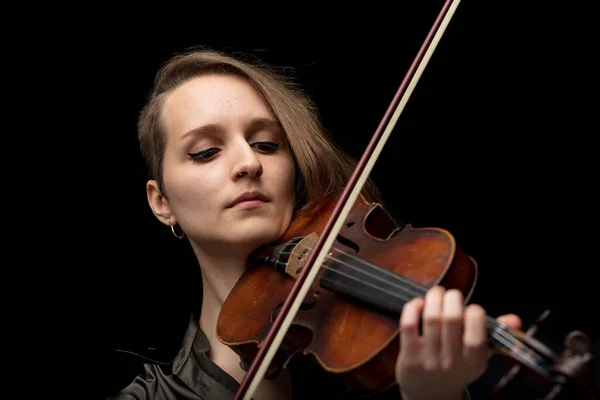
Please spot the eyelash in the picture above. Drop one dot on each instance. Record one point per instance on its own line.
(208, 153)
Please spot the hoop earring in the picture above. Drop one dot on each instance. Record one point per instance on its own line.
(180, 237)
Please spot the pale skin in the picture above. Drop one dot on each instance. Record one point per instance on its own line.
(245, 150)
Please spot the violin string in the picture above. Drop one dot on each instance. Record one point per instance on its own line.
(504, 337)
(417, 290)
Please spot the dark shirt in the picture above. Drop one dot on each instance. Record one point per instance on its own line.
(192, 375)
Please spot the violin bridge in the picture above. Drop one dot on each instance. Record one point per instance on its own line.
(298, 256)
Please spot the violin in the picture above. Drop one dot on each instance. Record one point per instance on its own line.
(333, 287)
(348, 321)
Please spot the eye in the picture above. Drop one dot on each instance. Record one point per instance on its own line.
(204, 154)
(266, 146)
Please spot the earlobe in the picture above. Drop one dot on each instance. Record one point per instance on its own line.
(158, 203)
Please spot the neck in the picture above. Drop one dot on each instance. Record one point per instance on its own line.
(220, 272)
(219, 275)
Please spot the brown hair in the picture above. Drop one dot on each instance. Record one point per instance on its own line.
(320, 164)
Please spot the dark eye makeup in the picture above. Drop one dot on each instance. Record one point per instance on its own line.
(265, 147)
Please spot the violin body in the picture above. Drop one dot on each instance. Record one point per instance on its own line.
(349, 320)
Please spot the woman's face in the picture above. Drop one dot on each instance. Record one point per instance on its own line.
(224, 142)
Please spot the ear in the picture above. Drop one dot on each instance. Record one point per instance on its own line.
(158, 203)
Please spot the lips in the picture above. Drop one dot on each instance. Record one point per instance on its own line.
(248, 196)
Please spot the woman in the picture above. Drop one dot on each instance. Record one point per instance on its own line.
(235, 153)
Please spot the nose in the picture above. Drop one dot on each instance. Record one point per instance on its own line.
(246, 163)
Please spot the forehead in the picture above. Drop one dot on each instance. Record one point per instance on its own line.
(213, 85)
(217, 99)
(213, 96)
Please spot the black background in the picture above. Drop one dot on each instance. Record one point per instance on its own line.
(495, 145)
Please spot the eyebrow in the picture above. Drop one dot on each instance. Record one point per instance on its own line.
(255, 123)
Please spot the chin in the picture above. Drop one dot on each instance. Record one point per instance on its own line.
(262, 234)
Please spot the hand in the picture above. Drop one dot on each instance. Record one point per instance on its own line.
(453, 350)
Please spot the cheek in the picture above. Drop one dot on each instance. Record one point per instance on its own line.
(191, 190)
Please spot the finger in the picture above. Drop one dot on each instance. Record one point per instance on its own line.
(432, 314)
(409, 329)
(475, 340)
(452, 328)
(511, 320)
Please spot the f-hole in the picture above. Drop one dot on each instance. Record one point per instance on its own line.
(380, 224)
(347, 242)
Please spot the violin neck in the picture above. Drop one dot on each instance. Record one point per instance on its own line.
(387, 292)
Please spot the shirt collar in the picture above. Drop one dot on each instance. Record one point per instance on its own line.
(193, 365)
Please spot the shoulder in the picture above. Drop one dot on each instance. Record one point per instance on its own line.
(155, 382)
(190, 375)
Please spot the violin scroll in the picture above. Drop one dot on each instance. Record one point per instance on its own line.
(569, 377)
